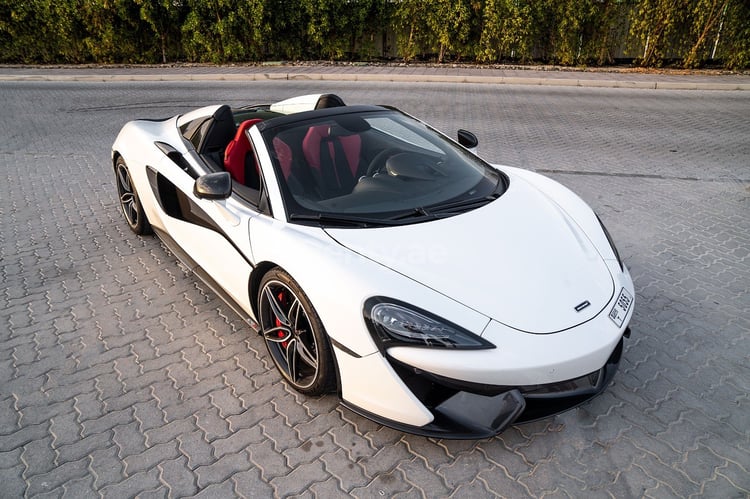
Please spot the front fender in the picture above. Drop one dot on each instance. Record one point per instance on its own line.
(338, 281)
(577, 209)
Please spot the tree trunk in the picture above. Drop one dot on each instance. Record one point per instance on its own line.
(411, 40)
(692, 59)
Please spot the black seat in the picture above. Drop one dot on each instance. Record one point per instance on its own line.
(329, 100)
(219, 133)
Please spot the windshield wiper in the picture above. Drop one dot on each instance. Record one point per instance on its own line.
(460, 206)
(444, 210)
(418, 212)
(341, 220)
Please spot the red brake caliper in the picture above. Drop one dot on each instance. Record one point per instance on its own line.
(280, 334)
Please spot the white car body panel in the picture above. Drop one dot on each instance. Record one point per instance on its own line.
(579, 212)
(197, 113)
(371, 383)
(552, 269)
(296, 104)
(210, 249)
(525, 359)
(338, 281)
(140, 136)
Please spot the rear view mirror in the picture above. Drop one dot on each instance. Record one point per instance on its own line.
(213, 186)
(467, 139)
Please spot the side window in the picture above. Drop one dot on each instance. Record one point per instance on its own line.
(194, 130)
(257, 198)
(247, 194)
(253, 193)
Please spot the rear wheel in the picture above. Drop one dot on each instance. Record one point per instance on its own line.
(294, 335)
(130, 203)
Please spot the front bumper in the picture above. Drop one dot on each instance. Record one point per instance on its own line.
(464, 410)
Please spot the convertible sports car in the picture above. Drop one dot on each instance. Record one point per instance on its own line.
(436, 293)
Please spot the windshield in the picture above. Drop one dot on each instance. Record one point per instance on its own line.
(375, 167)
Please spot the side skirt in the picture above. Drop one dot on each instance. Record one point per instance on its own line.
(196, 269)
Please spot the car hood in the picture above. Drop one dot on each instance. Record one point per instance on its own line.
(520, 260)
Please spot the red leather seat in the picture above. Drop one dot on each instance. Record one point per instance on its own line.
(284, 155)
(238, 154)
(336, 158)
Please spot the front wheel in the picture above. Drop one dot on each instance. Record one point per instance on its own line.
(294, 335)
(130, 203)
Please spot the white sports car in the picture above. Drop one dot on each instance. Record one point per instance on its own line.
(436, 293)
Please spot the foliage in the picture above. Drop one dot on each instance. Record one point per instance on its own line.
(657, 26)
(410, 22)
(335, 28)
(112, 31)
(449, 22)
(164, 17)
(39, 31)
(734, 36)
(286, 37)
(690, 33)
(507, 31)
(223, 30)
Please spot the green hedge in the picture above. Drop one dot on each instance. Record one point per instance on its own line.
(689, 33)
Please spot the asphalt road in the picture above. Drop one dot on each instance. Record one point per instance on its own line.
(122, 375)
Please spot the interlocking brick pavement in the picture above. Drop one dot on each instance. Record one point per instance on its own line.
(122, 375)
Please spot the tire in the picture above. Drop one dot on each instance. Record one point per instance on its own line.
(294, 335)
(130, 203)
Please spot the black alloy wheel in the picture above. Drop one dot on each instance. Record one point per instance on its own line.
(129, 201)
(294, 335)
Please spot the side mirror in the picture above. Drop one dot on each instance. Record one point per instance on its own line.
(213, 186)
(467, 139)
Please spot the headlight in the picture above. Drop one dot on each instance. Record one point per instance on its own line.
(611, 243)
(393, 323)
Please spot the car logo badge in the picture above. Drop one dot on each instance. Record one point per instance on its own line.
(582, 305)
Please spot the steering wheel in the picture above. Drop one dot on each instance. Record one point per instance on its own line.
(378, 162)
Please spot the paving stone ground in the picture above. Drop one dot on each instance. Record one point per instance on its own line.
(121, 375)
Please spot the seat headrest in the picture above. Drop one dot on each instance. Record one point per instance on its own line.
(245, 125)
(329, 100)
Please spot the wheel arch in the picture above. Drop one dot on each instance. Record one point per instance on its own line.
(115, 156)
(256, 276)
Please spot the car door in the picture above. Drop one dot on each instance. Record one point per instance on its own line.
(209, 235)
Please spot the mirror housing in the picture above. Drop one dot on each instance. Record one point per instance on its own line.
(467, 139)
(213, 186)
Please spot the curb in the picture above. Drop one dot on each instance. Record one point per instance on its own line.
(403, 78)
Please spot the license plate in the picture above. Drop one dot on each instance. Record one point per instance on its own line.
(622, 306)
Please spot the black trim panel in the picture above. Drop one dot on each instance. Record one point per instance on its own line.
(177, 204)
(303, 115)
(177, 158)
(450, 399)
(344, 349)
(462, 417)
